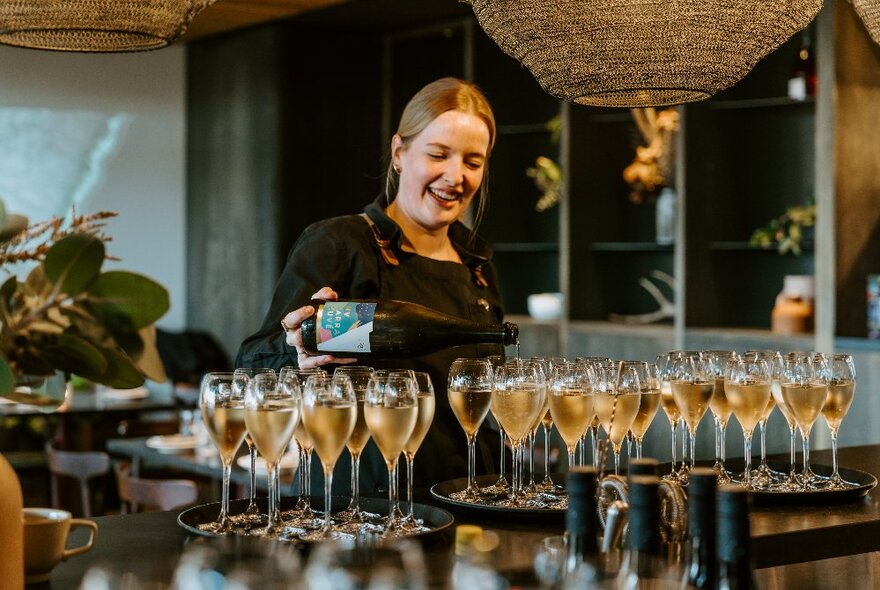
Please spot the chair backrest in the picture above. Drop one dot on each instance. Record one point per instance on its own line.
(164, 494)
(80, 465)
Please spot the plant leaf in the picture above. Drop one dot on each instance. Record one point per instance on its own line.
(149, 361)
(12, 225)
(73, 262)
(121, 371)
(73, 354)
(127, 301)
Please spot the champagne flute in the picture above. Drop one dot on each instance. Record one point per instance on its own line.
(617, 401)
(426, 403)
(716, 364)
(240, 380)
(747, 386)
(571, 403)
(546, 363)
(329, 413)
(271, 412)
(547, 484)
(595, 362)
(804, 385)
(790, 483)
(501, 485)
(692, 388)
(764, 477)
(517, 400)
(667, 402)
(649, 402)
(841, 389)
(302, 513)
(223, 415)
(469, 389)
(360, 378)
(391, 411)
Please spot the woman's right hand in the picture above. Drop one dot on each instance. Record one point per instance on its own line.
(292, 323)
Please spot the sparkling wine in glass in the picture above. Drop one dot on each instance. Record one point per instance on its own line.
(469, 389)
(302, 514)
(716, 364)
(670, 409)
(426, 403)
(223, 415)
(517, 401)
(241, 378)
(841, 389)
(764, 477)
(271, 412)
(747, 386)
(391, 410)
(649, 402)
(692, 387)
(804, 386)
(571, 403)
(360, 378)
(616, 402)
(789, 483)
(329, 414)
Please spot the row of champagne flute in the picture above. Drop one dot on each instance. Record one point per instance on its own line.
(686, 385)
(324, 414)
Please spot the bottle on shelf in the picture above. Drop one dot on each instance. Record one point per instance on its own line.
(733, 534)
(387, 328)
(802, 81)
(701, 565)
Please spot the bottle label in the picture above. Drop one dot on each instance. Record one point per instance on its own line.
(345, 326)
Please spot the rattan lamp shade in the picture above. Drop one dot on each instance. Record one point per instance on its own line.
(96, 25)
(635, 53)
(869, 12)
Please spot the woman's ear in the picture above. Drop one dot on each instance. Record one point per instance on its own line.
(396, 149)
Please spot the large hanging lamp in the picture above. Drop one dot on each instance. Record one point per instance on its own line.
(869, 12)
(637, 53)
(96, 25)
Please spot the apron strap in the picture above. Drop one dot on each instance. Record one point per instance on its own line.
(384, 245)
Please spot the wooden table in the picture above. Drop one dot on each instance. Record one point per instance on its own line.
(149, 544)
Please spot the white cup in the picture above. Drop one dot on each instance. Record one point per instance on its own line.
(45, 540)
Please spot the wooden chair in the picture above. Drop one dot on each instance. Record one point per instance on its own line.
(79, 465)
(163, 494)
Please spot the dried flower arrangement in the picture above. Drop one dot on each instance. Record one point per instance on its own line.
(654, 164)
(546, 173)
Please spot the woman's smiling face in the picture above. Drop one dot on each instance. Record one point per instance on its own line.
(441, 168)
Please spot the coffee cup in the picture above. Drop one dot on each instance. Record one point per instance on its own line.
(45, 540)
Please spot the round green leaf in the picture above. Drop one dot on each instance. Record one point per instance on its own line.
(121, 371)
(7, 378)
(73, 354)
(128, 300)
(73, 262)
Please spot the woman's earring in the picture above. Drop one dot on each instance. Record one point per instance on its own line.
(397, 170)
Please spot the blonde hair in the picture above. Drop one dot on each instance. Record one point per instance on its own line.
(438, 97)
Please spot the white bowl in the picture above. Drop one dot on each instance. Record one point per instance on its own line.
(545, 306)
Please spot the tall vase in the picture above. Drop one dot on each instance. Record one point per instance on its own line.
(11, 528)
(666, 216)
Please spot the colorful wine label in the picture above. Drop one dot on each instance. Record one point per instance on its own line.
(345, 326)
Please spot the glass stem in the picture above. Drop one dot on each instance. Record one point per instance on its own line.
(531, 459)
(763, 443)
(301, 503)
(501, 471)
(638, 448)
(396, 487)
(792, 449)
(409, 484)
(722, 443)
(717, 442)
(616, 461)
(673, 426)
(308, 487)
(693, 440)
(546, 453)
(273, 497)
(472, 466)
(595, 447)
(571, 451)
(328, 485)
(747, 459)
(684, 443)
(355, 505)
(392, 495)
(834, 474)
(224, 495)
(806, 476)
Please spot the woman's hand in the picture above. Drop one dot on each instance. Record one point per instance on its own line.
(292, 323)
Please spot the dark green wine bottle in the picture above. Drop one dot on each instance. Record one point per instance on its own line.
(734, 533)
(702, 566)
(387, 328)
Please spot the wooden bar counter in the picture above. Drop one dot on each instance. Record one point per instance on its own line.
(846, 535)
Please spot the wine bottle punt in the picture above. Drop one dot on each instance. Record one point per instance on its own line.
(387, 328)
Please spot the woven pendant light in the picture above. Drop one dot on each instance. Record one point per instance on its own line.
(869, 12)
(96, 25)
(637, 53)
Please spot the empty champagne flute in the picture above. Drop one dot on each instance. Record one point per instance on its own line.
(747, 386)
(469, 389)
(271, 412)
(616, 402)
(360, 379)
(223, 415)
(391, 411)
(240, 380)
(841, 389)
(571, 403)
(716, 364)
(426, 403)
(692, 387)
(517, 400)
(329, 414)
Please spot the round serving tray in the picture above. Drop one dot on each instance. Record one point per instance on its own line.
(436, 519)
(443, 490)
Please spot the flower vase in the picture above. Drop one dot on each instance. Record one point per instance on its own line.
(666, 216)
(11, 528)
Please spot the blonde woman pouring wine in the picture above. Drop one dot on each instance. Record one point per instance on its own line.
(408, 244)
